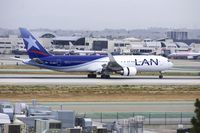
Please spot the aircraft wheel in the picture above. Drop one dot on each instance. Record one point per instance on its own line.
(160, 76)
(105, 76)
(91, 75)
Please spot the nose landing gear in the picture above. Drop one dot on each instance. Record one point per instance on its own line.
(161, 75)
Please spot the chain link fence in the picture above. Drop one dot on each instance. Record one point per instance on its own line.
(151, 118)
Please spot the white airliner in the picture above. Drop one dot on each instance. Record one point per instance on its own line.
(76, 52)
(189, 55)
(125, 65)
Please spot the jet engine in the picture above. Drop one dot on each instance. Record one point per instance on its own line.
(129, 71)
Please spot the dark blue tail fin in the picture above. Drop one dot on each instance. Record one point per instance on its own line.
(33, 47)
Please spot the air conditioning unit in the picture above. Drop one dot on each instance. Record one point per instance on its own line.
(14, 128)
(102, 130)
(44, 125)
(67, 117)
(73, 130)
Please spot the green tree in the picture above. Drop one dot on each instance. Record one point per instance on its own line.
(196, 119)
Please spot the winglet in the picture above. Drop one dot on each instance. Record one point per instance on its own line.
(111, 58)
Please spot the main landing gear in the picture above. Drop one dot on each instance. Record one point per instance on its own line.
(161, 75)
(92, 75)
(104, 76)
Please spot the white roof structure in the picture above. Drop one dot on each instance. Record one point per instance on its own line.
(170, 44)
(153, 44)
(195, 45)
(149, 132)
(182, 45)
(67, 38)
(41, 34)
(132, 39)
(4, 119)
(148, 40)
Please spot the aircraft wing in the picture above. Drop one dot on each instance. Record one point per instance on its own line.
(19, 59)
(112, 64)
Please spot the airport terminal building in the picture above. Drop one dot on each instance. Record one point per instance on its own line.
(13, 44)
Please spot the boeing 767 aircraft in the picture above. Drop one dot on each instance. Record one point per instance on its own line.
(125, 65)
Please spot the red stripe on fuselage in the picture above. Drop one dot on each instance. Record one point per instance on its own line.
(39, 52)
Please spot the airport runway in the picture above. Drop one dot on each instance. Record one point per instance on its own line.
(38, 79)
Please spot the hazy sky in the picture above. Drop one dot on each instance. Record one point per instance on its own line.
(99, 14)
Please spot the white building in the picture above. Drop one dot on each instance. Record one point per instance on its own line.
(125, 46)
(7, 44)
(195, 47)
(15, 44)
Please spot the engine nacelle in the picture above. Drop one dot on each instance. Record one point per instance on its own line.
(129, 71)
